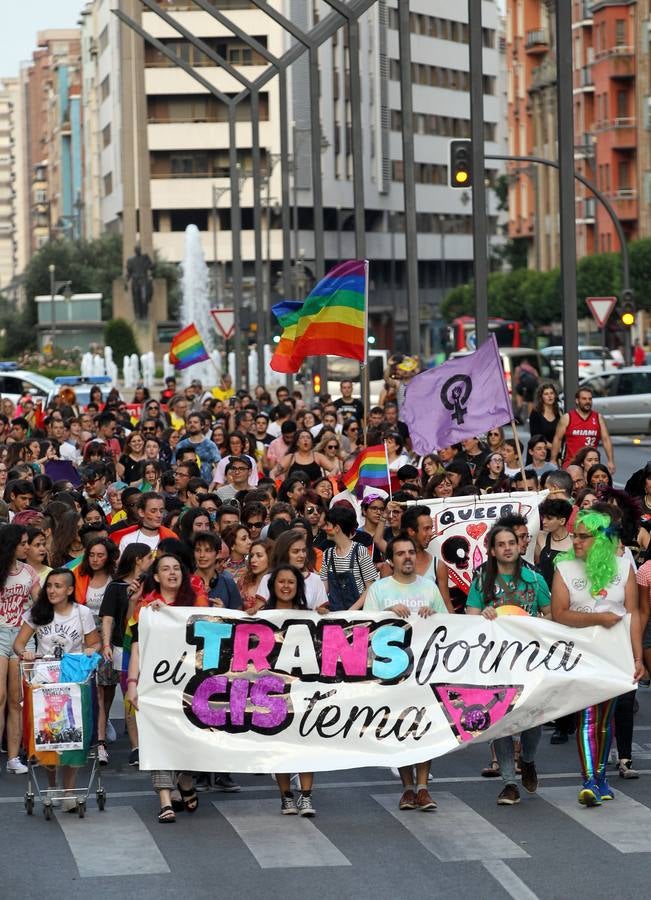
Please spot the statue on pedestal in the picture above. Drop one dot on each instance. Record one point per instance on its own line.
(139, 269)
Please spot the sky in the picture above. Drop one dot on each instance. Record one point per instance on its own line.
(18, 31)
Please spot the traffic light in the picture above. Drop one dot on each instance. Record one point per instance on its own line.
(627, 310)
(316, 384)
(460, 164)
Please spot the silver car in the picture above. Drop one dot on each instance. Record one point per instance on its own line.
(623, 398)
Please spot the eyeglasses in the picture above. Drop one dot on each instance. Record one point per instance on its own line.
(148, 430)
(310, 510)
(238, 469)
(250, 526)
(333, 446)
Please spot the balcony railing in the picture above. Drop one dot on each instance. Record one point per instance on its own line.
(536, 40)
(618, 50)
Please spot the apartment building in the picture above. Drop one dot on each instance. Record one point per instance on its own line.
(157, 141)
(611, 90)
(9, 249)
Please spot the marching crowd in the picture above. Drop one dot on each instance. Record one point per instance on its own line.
(208, 497)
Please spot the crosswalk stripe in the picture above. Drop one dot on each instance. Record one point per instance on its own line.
(623, 823)
(113, 842)
(512, 883)
(456, 832)
(280, 842)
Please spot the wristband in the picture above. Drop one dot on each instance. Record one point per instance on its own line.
(132, 681)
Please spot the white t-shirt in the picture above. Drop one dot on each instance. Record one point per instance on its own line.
(16, 595)
(610, 599)
(64, 632)
(315, 592)
(139, 537)
(388, 592)
(94, 597)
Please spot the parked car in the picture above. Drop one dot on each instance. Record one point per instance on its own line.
(15, 383)
(592, 360)
(623, 398)
(81, 385)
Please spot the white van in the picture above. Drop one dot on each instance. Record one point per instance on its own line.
(341, 369)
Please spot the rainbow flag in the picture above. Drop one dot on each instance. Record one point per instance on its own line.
(187, 348)
(331, 319)
(370, 469)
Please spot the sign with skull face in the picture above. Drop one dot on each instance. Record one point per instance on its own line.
(461, 526)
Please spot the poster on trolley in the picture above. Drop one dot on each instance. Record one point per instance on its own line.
(58, 718)
(293, 691)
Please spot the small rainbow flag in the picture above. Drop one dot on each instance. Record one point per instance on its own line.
(331, 319)
(370, 469)
(187, 348)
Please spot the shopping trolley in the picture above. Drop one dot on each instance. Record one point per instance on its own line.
(59, 729)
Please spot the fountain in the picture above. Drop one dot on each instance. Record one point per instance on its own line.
(195, 305)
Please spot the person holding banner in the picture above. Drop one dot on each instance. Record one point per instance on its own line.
(594, 586)
(405, 593)
(287, 591)
(169, 584)
(503, 584)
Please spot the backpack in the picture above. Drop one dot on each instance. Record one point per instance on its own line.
(342, 587)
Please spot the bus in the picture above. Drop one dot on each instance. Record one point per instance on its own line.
(462, 335)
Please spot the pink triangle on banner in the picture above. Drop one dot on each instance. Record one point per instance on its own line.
(471, 709)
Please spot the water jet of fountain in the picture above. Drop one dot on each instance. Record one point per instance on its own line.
(195, 305)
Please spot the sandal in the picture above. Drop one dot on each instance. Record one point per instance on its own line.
(189, 798)
(166, 816)
(492, 771)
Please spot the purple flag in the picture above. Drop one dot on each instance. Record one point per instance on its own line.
(461, 398)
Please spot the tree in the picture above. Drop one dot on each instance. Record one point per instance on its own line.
(458, 302)
(596, 276)
(118, 335)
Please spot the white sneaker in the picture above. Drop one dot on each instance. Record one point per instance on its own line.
(111, 736)
(102, 755)
(15, 767)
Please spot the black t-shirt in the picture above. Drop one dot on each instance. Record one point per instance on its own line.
(115, 604)
(352, 407)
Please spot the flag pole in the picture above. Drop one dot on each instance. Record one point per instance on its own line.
(366, 386)
(519, 452)
(386, 456)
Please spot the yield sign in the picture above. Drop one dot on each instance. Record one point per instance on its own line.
(601, 308)
(225, 321)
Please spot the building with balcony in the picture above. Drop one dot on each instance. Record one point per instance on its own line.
(9, 252)
(51, 122)
(171, 169)
(611, 89)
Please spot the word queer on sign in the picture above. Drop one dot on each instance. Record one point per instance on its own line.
(287, 692)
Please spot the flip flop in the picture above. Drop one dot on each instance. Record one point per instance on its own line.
(189, 798)
(492, 771)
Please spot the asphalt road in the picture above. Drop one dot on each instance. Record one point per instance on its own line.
(359, 845)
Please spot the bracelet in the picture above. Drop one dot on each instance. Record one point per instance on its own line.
(132, 681)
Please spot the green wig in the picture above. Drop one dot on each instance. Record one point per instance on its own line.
(601, 559)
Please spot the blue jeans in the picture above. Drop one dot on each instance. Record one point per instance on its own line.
(504, 752)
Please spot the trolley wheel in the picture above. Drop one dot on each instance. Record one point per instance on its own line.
(81, 808)
(47, 810)
(29, 804)
(101, 800)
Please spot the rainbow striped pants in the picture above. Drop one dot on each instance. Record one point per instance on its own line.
(594, 734)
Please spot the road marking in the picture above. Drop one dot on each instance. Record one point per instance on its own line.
(114, 842)
(334, 785)
(280, 842)
(641, 751)
(506, 877)
(456, 833)
(623, 823)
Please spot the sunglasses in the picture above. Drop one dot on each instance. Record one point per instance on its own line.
(333, 446)
(251, 526)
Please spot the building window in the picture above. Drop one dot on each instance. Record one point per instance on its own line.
(105, 88)
(103, 39)
(624, 175)
(108, 184)
(620, 32)
(622, 104)
(106, 135)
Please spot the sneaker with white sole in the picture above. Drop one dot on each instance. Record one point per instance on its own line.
(134, 757)
(288, 805)
(304, 805)
(16, 767)
(111, 736)
(626, 769)
(102, 755)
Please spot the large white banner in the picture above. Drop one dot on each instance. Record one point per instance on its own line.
(289, 692)
(461, 526)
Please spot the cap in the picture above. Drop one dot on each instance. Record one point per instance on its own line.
(408, 364)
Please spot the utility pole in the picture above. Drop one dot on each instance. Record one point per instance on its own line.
(565, 114)
(479, 226)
